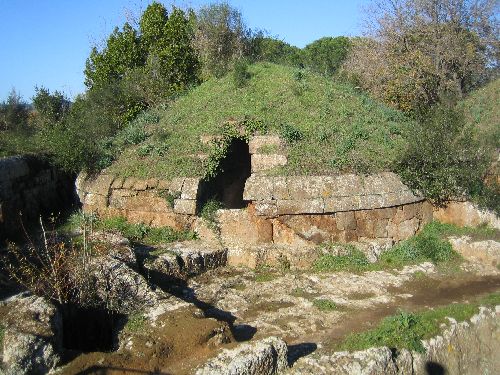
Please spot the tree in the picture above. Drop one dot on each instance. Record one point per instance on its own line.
(152, 25)
(276, 51)
(13, 112)
(123, 51)
(420, 51)
(327, 54)
(443, 159)
(50, 108)
(221, 38)
(171, 64)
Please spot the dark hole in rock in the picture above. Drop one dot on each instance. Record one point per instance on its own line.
(90, 329)
(227, 187)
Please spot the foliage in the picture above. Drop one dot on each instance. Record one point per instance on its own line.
(220, 146)
(135, 322)
(428, 245)
(443, 160)
(50, 108)
(209, 212)
(144, 233)
(13, 113)
(52, 269)
(221, 38)
(241, 75)
(276, 51)
(419, 51)
(325, 304)
(152, 25)
(327, 54)
(348, 258)
(123, 51)
(2, 332)
(405, 330)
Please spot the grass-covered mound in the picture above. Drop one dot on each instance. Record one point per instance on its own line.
(482, 109)
(329, 126)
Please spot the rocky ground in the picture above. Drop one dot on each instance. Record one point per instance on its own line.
(231, 314)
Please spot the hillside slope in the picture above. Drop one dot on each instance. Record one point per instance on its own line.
(482, 109)
(335, 127)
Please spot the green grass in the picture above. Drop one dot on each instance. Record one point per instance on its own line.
(144, 233)
(406, 330)
(135, 323)
(264, 274)
(325, 304)
(482, 109)
(134, 232)
(340, 128)
(430, 245)
(352, 260)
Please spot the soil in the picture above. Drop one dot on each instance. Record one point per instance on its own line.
(176, 345)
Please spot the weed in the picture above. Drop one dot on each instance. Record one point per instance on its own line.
(290, 133)
(404, 330)
(407, 330)
(169, 196)
(325, 304)
(135, 322)
(264, 274)
(209, 213)
(144, 233)
(351, 259)
(428, 245)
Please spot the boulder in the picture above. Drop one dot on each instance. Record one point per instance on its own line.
(186, 259)
(120, 288)
(484, 252)
(33, 337)
(264, 357)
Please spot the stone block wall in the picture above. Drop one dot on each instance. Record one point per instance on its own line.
(274, 196)
(30, 187)
(154, 202)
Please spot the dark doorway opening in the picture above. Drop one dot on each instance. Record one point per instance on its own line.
(227, 187)
(90, 329)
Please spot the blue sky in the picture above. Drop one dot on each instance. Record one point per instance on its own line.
(46, 42)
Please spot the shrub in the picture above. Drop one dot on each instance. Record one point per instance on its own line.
(327, 54)
(241, 75)
(404, 330)
(290, 133)
(209, 212)
(54, 269)
(442, 160)
(425, 246)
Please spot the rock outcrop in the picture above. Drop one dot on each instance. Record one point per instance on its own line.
(264, 357)
(466, 348)
(33, 337)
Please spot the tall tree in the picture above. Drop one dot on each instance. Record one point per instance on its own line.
(418, 51)
(221, 38)
(13, 112)
(123, 51)
(326, 55)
